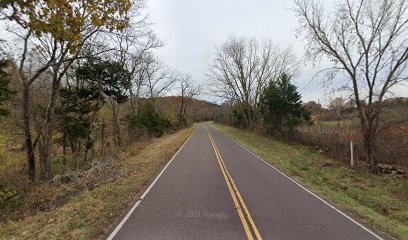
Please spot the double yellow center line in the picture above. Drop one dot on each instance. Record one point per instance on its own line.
(239, 203)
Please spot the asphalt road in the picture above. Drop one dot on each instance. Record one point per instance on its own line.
(215, 189)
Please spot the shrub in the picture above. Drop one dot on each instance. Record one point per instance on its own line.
(148, 120)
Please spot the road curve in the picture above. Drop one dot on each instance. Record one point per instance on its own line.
(215, 189)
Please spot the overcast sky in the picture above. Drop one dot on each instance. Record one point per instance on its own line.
(192, 29)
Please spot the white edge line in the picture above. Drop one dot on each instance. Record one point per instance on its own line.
(120, 225)
(307, 190)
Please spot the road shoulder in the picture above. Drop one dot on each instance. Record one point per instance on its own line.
(356, 192)
(93, 214)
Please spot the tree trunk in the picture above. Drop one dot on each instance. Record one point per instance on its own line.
(370, 144)
(116, 124)
(40, 146)
(181, 115)
(103, 138)
(132, 101)
(247, 117)
(64, 149)
(73, 147)
(50, 125)
(137, 101)
(250, 117)
(251, 121)
(41, 158)
(118, 128)
(89, 143)
(89, 146)
(369, 125)
(27, 132)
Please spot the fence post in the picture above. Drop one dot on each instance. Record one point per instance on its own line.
(350, 138)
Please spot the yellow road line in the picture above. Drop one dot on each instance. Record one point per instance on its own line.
(234, 198)
(256, 231)
(230, 181)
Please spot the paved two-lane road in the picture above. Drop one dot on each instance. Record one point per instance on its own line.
(215, 189)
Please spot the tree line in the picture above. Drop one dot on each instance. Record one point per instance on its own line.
(364, 40)
(73, 65)
(73, 60)
(255, 79)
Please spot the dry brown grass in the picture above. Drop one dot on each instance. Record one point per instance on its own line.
(332, 139)
(87, 214)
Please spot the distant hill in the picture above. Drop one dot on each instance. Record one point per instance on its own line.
(197, 110)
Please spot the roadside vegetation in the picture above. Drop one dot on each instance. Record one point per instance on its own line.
(378, 202)
(83, 101)
(91, 213)
(87, 107)
(310, 142)
(255, 79)
(329, 128)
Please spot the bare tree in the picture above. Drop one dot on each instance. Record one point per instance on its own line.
(338, 105)
(243, 67)
(57, 40)
(188, 91)
(138, 82)
(158, 78)
(134, 44)
(27, 78)
(368, 41)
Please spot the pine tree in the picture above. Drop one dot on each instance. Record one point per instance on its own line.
(84, 95)
(281, 106)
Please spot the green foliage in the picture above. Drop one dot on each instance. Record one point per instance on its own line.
(238, 116)
(76, 104)
(8, 197)
(225, 118)
(106, 77)
(94, 81)
(5, 92)
(281, 106)
(349, 110)
(148, 120)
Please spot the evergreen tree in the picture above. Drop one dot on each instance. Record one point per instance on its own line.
(76, 104)
(108, 78)
(85, 94)
(148, 121)
(281, 106)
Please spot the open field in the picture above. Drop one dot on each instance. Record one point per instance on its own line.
(90, 213)
(332, 138)
(377, 201)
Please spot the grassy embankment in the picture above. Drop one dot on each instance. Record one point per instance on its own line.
(379, 202)
(90, 214)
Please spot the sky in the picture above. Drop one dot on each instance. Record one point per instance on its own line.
(192, 29)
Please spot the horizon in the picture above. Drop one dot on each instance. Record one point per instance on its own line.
(192, 30)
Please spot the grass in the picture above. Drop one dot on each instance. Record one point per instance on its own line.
(91, 214)
(379, 202)
(10, 157)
